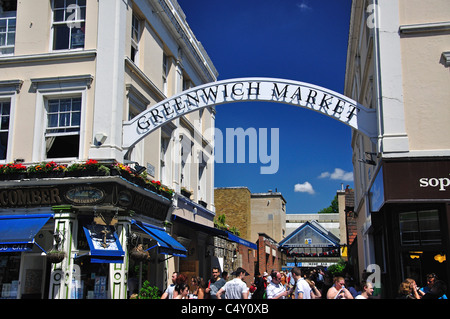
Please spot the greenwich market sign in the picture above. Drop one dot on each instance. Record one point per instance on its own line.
(295, 93)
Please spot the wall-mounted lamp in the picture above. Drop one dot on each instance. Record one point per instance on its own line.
(100, 138)
(138, 169)
(370, 160)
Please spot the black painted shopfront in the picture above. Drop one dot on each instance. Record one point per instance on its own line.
(410, 213)
(90, 219)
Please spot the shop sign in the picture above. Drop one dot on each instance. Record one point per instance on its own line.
(440, 183)
(376, 192)
(417, 180)
(18, 247)
(295, 93)
(85, 195)
(29, 197)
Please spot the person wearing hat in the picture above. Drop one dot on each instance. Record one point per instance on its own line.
(236, 288)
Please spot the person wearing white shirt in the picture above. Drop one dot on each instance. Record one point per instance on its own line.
(276, 290)
(236, 288)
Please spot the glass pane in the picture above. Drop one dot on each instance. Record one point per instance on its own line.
(58, 15)
(65, 105)
(58, 3)
(2, 39)
(76, 104)
(11, 38)
(3, 25)
(52, 120)
(53, 106)
(3, 145)
(82, 13)
(82, 3)
(409, 228)
(429, 227)
(11, 25)
(77, 38)
(61, 37)
(5, 108)
(6, 51)
(76, 119)
(5, 123)
(64, 119)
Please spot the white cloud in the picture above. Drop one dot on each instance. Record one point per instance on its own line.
(306, 187)
(324, 175)
(338, 174)
(303, 6)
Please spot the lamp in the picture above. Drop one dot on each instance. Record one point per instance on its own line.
(368, 161)
(138, 169)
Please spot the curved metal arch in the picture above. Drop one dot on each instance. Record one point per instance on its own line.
(305, 95)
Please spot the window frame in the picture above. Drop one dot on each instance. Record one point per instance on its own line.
(65, 22)
(8, 15)
(41, 124)
(135, 42)
(11, 100)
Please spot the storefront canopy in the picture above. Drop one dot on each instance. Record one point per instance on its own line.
(166, 244)
(215, 232)
(17, 232)
(104, 244)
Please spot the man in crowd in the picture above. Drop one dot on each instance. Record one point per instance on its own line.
(236, 288)
(215, 283)
(276, 290)
(168, 294)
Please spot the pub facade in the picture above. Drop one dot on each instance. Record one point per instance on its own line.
(76, 237)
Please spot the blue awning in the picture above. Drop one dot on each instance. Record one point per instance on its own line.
(104, 244)
(17, 232)
(166, 244)
(215, 232)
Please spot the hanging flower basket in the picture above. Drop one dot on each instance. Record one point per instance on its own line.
(56, 257)
(139, 254)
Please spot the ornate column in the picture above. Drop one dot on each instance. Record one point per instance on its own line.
(61, 273)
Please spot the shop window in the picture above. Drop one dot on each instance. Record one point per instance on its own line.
(5, 108)
(68, 24)
(90, 280)
(8, 10)
(420, 228)
(9, 275)
(62, 135)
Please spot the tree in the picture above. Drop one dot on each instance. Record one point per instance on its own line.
(333, 208)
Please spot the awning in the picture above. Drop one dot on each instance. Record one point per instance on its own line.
(166, 244)
(215, 232)
(17, 232)
(104, 244)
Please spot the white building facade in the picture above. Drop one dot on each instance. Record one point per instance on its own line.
(71, 73)
(398, 64)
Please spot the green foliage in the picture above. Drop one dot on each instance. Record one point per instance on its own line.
(149, 292)
(338, 269)
(333, 208)
(220, 223)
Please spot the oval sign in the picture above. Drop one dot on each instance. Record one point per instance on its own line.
(85, 195)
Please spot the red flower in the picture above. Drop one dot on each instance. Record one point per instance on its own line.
(91, 162)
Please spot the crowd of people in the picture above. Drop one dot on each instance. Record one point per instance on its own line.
(295, 284)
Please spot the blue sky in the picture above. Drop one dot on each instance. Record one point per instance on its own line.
(302, 40)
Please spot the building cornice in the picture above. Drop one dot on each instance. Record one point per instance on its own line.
(425, 28)
(149, 83)
(191, 46)
(48, 57)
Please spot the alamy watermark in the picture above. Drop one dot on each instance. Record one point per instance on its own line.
(235, 145)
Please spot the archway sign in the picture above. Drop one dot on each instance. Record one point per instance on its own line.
(295, 93)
